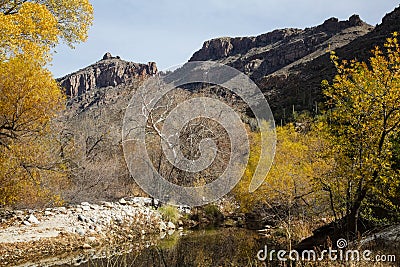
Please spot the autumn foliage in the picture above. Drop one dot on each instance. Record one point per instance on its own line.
(30, 163)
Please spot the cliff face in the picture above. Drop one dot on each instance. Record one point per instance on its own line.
(288, 65)
(264, 54)
(299, 84)
(110, 71)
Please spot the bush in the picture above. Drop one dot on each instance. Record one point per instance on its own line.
(169, 213)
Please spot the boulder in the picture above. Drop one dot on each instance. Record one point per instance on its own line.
(171, 225)
(32, 219)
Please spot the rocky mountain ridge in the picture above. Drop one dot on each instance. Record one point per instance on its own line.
(109, 71)
(266, 53)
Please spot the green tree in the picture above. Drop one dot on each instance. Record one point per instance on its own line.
(364, 118)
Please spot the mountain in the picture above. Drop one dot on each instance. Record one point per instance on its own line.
(271, 59)
(91, 127)
(287, 64)
(104, 81)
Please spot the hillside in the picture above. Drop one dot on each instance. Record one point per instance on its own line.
(287, 64)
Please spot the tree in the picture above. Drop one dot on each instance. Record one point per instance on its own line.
(363, 120)
(72, 17)
(299, 161)
(30, 98)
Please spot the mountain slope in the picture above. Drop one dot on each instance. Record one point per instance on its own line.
(289, 64)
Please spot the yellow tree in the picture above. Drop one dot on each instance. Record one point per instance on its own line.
(73, 17)
(364, 118)
(29, 96)
(299, 160)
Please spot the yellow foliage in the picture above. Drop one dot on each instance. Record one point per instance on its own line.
(32, 28)
(298, 161)
(29, 99)
(363, 119)
(30, 168)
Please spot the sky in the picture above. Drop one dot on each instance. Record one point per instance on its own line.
(169, 32)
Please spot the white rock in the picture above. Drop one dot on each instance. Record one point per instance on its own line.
(27, 223)
(170, 225)
(163, 226)
(82, 218)
(48, 213)
(19, 212)
(171, 231)
(33, 219)
(122, 201)
(86, 246)
(62, 210)
(86, 208)
(85, 204)
(163, 235)
(108, 204)
(80, 231)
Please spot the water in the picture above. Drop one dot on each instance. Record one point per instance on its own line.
(220, 247)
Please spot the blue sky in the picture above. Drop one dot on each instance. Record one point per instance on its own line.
(168, 32)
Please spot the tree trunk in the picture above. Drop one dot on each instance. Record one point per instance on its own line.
(353, 217)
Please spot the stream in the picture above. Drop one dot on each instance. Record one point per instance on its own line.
(218, 247)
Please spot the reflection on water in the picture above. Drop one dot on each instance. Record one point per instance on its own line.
(222, 247)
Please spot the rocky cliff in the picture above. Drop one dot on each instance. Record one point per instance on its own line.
(299, 84)
(264, 54)
(289, 64)
(110, 71)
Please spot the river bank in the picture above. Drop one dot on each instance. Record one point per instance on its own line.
(28, 234)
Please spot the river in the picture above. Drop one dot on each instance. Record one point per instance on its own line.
(218, 247)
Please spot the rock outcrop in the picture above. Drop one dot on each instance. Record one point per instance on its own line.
(289, 64)
(264, 54)
(110, 71)
(298, 85)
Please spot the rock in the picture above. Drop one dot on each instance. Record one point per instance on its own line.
(85, 204)
(92, 239)
(62, 210)
(27, 223)
(171, 231)
(18, 212)
(163, 235)
(163, 226)
(143, 232)
(143, 201)
(111, 71)
(82, 218)
(86, 246)
(122, 201)
(108, 205)
(80, 231)
(32, 219)
(78, 210)
(170, 225)
(107, 56)
(86, 208)
(48, 213)
(118, 219)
